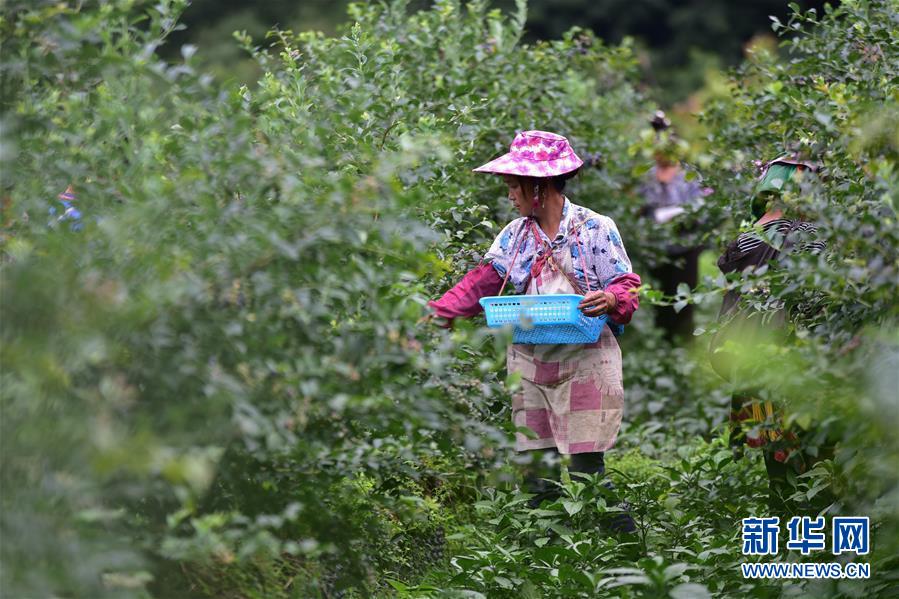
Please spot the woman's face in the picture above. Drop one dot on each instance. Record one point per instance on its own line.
(519, 195)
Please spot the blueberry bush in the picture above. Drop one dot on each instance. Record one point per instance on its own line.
(219, 385)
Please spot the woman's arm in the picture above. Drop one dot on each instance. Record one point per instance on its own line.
(462, 299)
(487, 278)
(619, 300)
(612, 268)
(624, 288)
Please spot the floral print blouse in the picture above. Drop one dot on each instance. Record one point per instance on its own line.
(606, 258)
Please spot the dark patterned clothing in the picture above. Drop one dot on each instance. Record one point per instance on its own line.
(753, 421)
(775, 230)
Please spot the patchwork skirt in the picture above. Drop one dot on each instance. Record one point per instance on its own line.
(571, 396)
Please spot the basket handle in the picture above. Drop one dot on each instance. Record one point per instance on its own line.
(519, 238)
(580, 248)
(575, 284)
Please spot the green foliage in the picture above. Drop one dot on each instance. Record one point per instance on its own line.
(682, 501)
(680, 42)
(226, 357)
(835, 375)
(218, 388)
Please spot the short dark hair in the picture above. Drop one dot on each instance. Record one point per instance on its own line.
(559, 180)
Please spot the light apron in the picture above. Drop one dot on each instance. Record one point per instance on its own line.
(571, 396)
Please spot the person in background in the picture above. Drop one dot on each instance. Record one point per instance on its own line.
(68, 212)
(777, 230)
(668, 192)
(571, 395)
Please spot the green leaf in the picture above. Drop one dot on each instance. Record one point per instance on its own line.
(675, 570)
(572, 507)
(503, 582)
(527, 432)
(690, 590)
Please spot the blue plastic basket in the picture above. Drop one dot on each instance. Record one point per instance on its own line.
(543, 319)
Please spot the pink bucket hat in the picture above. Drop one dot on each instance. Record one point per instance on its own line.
(535, 154)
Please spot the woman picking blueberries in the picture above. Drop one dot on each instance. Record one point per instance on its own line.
(571, 396)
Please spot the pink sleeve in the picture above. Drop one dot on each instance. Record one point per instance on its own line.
(462, 300)
(624, 288)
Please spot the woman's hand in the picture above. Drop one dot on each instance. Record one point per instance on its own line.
(597, 303)
(432, 318)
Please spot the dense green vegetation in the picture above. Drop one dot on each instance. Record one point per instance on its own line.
(677, 43)
(218, 388)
